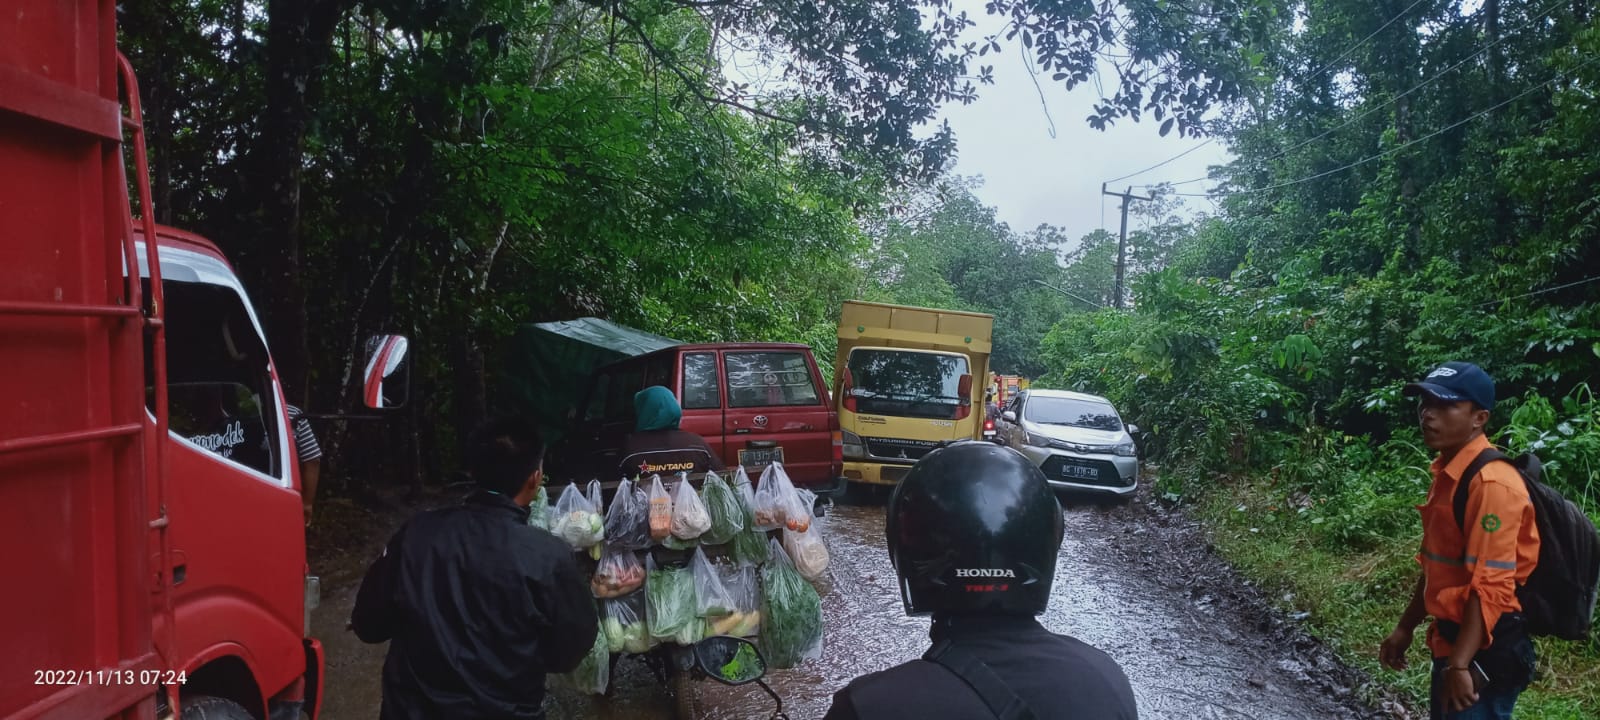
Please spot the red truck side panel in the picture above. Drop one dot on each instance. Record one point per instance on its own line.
(73, 517)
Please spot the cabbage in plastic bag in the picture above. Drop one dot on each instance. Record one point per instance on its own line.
(594, 671)
(623, 624)
(576, 520)
(539, 509)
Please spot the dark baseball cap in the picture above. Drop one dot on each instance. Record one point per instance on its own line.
(1454, 382)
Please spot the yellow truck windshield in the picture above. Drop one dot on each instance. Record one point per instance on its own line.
(903, 383)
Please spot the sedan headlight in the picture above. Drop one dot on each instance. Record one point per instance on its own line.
(1127, 449)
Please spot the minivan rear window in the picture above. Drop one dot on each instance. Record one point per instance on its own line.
(907, 383)
(700, 390)
(771, 377)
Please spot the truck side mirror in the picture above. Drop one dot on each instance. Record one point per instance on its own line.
(964, 387)
(386, 383)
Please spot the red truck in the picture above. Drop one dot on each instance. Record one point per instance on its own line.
(149, 489)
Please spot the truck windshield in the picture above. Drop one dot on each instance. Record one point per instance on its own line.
(1073, 412)
(906, 383)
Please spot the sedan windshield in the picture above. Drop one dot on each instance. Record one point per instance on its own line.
(1072, 412)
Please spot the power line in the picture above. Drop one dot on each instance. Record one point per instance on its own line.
(1542, 292)
(1363, 114)
(1163, 162)
(1363, 41)
(1068, 294)
(1314, 74)
(1396, 148)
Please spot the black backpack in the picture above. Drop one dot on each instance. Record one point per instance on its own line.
(1559, 597)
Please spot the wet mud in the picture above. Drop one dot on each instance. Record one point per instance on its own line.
(1135, 580)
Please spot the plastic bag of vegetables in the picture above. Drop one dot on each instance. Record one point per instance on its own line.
(791, 613)
(619, 573)
(660, 510)
(628, 518)
(539, 510)
(689, 517)
(596, 498)
(744, 588)
(726, 510)
(750, 544)
(777, 505)
(809, 552)
(622, 623)
(670, 606)
(576, 520)
(711, 598)
(594, 671)
(741, 484)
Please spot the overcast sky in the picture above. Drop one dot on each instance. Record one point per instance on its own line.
(1031, 177)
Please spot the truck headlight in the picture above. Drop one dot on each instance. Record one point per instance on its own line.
(1127, 449)
(853, 447)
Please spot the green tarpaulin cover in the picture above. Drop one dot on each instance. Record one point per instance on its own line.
(546, 365)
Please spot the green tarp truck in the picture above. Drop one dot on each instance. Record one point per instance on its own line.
(547, 365)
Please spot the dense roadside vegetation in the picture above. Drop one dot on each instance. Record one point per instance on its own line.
(1364, 234)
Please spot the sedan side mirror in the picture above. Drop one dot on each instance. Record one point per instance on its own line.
(386, 383)
(1008, 416)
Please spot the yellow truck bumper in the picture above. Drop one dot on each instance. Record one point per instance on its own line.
(873, 473)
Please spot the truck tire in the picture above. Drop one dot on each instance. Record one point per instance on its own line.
(205, 707)
(684, 695)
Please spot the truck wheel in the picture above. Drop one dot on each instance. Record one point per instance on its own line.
(205, 707)
(684, 695)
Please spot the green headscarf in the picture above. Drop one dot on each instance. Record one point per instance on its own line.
(655, 408)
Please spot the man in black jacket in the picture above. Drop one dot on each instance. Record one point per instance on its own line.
(477, 605)
(973, 533)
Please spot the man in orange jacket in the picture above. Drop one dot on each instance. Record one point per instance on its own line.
(1482, 655)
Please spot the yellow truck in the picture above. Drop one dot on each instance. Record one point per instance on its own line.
(904, 377)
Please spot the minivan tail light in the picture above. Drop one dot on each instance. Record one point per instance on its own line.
(838, 446)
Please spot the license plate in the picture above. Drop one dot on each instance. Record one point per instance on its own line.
(761, 457)
(1079, 472)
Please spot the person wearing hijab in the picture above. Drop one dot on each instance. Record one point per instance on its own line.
(657, 445)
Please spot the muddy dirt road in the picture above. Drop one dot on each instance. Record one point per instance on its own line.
(1131, 580)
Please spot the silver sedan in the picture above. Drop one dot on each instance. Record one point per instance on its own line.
(1078, 440)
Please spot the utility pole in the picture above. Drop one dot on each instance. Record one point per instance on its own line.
(1122, 236)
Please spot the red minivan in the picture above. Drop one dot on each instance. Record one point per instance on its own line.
(752, 402)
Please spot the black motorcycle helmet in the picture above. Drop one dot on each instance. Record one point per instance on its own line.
(974, 530)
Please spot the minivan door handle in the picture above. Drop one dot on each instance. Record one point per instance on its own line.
(763, 443)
